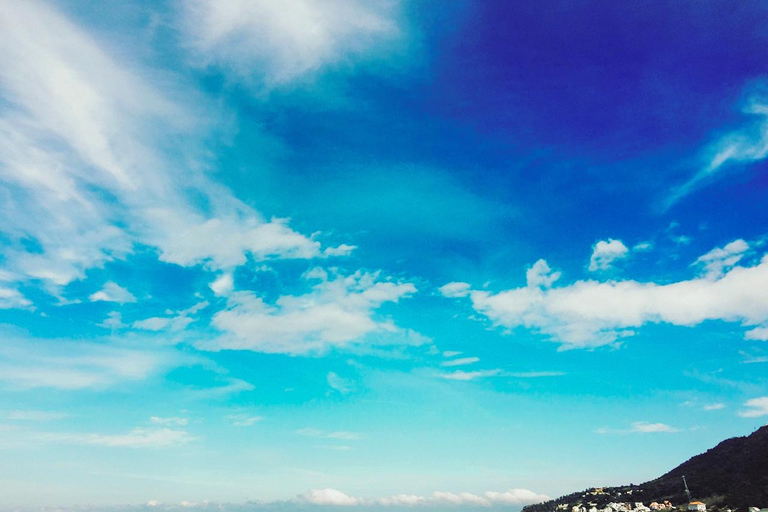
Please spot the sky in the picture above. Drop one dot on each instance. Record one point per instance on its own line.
(388, 255)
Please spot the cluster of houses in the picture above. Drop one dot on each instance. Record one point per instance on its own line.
(626, 507)
(694, 506)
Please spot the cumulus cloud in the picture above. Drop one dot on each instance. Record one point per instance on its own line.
(605, 252)
(223, 285)
(758, 333)
(339, 310)
(540, 275)
(756, 407)
(112, 292)
(87, 171)
(516, 497)
(276, 43)
(328, 497)
(721, 259)
(593, 313)
(455, 289)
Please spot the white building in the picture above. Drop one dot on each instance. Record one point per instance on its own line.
(697, 506)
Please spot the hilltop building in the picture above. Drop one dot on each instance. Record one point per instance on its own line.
(697, 506)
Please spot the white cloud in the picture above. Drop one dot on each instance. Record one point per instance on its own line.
(34, 415)
(461, 361)
(719, 260)
(645, 427)
(605, 252)
(534, 375)
(462, 375)
(223, 285)
(178, 322)
(756, 407)
(455, 289)
(328, 497)
(69, 365)
(244, 420)
(592, 313)
(113, 321)
(451, 353)
(742, 146)
(341, 250)
(641, 427)
(136, 438)
(88, 171)
(276, 43)
(340, 384)
(338, 311)
(403, 500)
(758, 333)
(112, 292)
(714, 407)
(540, 275)
(11, 298)
(342, 435)
(175, 420)
(516, 497)
(463, 498)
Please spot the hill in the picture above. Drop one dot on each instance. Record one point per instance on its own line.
(733, 474)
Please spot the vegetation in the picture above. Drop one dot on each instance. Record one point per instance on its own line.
(733, 474)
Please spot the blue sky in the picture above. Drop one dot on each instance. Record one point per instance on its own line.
(376, 255)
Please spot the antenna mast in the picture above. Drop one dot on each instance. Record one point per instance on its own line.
(687, 492)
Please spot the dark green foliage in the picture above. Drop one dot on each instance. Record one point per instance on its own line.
(733, 474)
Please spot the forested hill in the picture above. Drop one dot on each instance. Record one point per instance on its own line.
(733, 474)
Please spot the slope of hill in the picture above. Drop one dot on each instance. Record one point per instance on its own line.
(733, 474)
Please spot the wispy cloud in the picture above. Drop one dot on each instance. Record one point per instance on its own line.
(746, 145)
(756, 407)
(90, 171)
(464, 375)
(30, 415)
(462, 361)
(340, 435)
(641, 427)
(244, 420)
(36, 363)
(173, 420)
